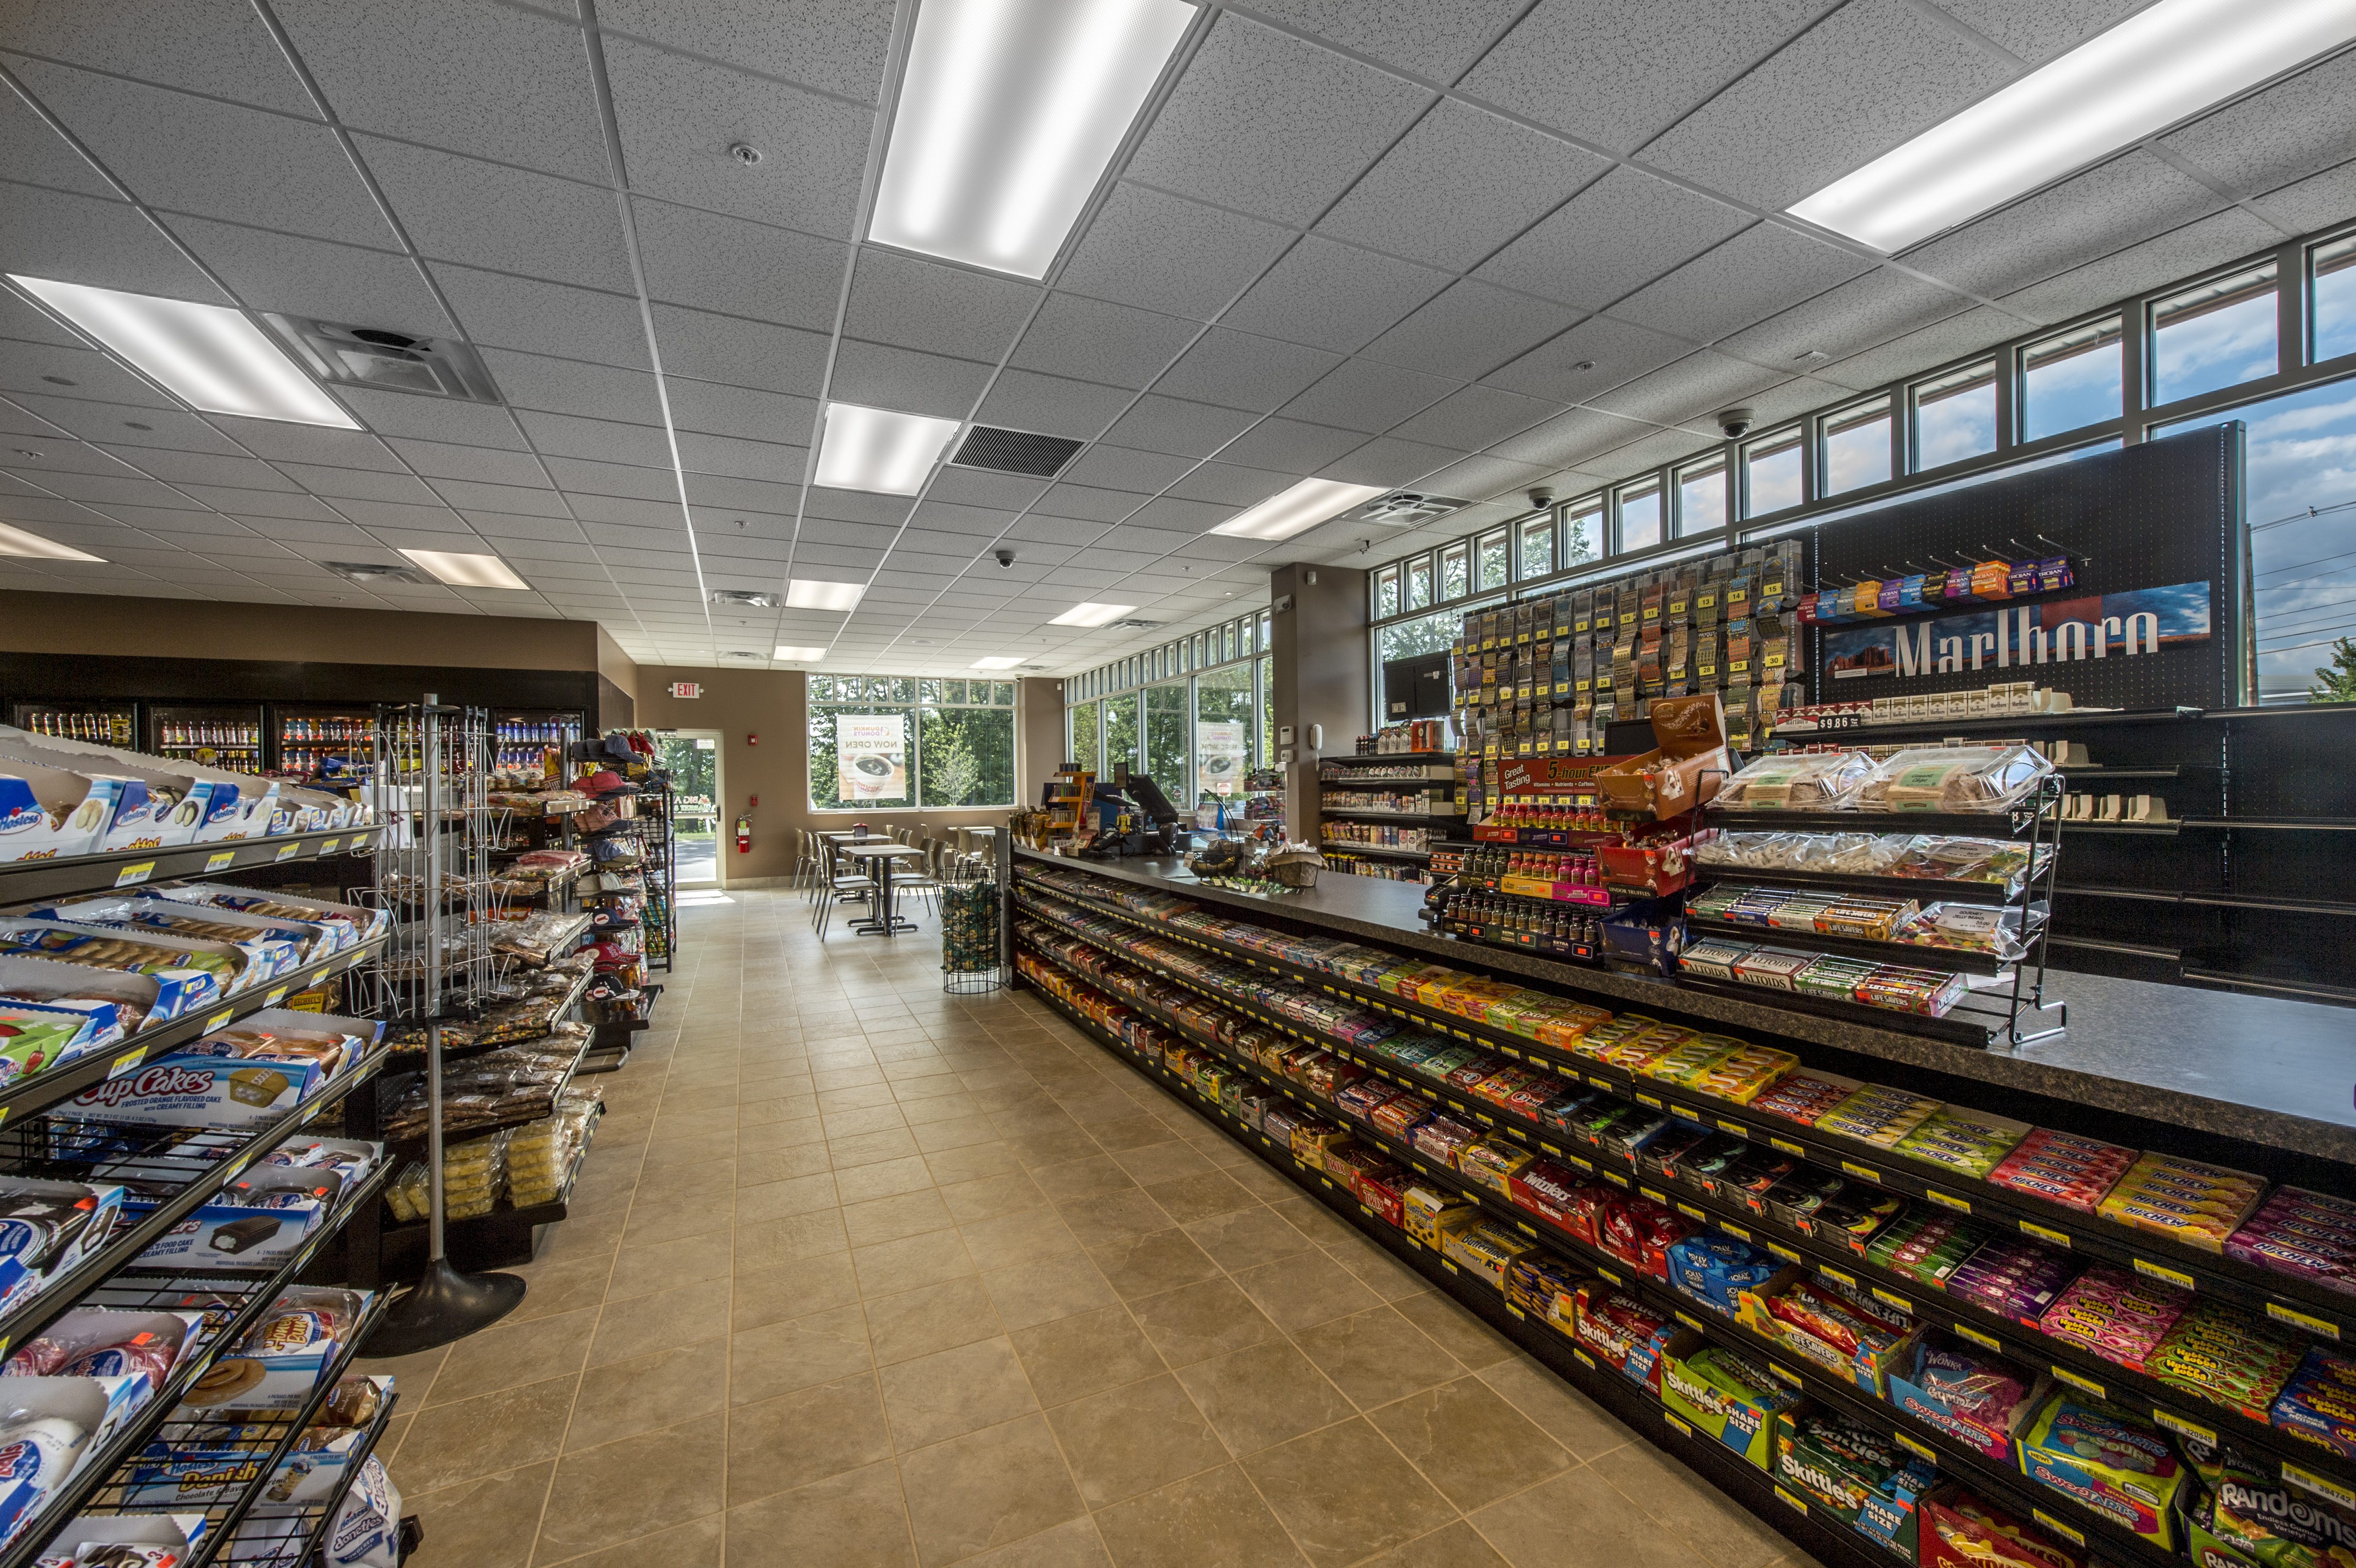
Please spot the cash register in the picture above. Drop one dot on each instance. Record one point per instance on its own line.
(1133, 816)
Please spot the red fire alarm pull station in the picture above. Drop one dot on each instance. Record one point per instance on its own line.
(752, 740)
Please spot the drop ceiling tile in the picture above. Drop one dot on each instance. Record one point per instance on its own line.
(503, 312)
(1863, 81)
(1126, 468)
(505, 527)
(511, 220)
(854, 506)
(1086, 503)
(2038, 33)
(1472, 418)
(468, 494)
(1042, 530)
(947, 518)
(1486, 476)
(2317, 201)
(433, 419)
(1226, 485)
(1177, 514)
(2211, 242)
(309, 443)
(740, 411)
(678, 117)
(1764, 269)
(186, 154)
(1569, 437)
(1615, 236)
(573, 387)
(486, 80)
(1181, 428)
(730, 457)
(1363, 395)
(975, 488)
(866, 536)
(1436, 39)
(2296, 128)
(1097, 340)
(2113, 205)
(215, 46)
(1238, 371)
(1271, 124)
(916, 303)
(245, 503)
(563, 435)
(1457, 185)
(582, 480)
(1688, 390)
(1883, 305)
(290, 275)
(1290, 446)
(878, 376)
(1220, 548)
(1051, 405)
(118, 425)
(31, 151)
(836, 45)
(841, 560)
(358, 484)
(1389, 461)
(1147, 541)
(396, 514)
(1161, 253)
(1641, 64)
(1651, 452)
(441, 460)
(51, 234)
(1471, 330)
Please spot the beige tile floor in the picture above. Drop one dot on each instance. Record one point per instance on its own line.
(862, 1276)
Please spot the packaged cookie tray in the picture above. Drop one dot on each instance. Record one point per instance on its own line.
(1582, 1254)
(2294, 1284)
(1952, 1138)
(503, 1088)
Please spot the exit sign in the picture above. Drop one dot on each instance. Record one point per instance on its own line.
(685, 688)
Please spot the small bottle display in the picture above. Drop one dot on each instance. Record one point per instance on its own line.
(104, 726)
(522, 740)
(308, 742)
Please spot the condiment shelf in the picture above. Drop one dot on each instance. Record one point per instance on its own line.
(27, 881)
(262, 1440)
(193, 1162)
(2005, 1485)
(27, 1095)
(232, 1303)
(2286, 1299)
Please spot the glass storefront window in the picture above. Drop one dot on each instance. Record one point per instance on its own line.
(1640, 517)
(1537, 546)
(1494, 561)
(1169, 748)
(1225, 731)
(1120, 734)
(1701, 499)
(1086, 738)
(2221, 334)
(1582, 533)
(2331, 302)
(1772, 473)
(1955, 417)
(2072, 380)
(1455, 573)
(1418, 584)
(1857, 446)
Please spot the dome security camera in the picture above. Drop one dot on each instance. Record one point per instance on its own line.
(1542, 496)
(1735, 421)
(1005, 556)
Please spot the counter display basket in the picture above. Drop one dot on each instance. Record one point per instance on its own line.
(974, 930)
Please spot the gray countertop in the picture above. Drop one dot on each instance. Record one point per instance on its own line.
(2274, 1072)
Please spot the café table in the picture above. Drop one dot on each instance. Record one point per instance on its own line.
(886, 921)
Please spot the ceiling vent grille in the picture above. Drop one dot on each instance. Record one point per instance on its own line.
(1138, 625)
(743, 656)
(366, 572)
(1015, 452)
(1402, 508)
(746, 598)
(389, 361)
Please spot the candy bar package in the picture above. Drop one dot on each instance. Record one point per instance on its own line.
(1854, 1472)
(1990, 929)
(2063, 1168)
(1725, 1395)
(1814, 1320)
(1626, 1335)
(1970, 1142)
(1804, 1094)
(1714, 1269)
(2307, 1235)
(2242, 1518)
(1432, 1215)
(2120, 1316)
(1744, 1073)
(1492, 1163)
(282, 1359)
(2226, 1356)
(2319, 1403)
(1486, 1251)
(1543, 1288)
(48, 1227)
(2013, 1278)
(2200, 1205)
(1961, 1531)
(2110, 1460)
(1927, 1246)
(1975, 1396)
(1716, 959)
(1876, 1114)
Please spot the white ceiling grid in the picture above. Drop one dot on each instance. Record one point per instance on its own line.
(1472, 245)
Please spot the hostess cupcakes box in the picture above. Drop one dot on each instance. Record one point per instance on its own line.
(256, 1069)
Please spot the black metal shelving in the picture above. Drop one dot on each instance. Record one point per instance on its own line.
(30, 881)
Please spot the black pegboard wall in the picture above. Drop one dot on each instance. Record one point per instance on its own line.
(2151, 516)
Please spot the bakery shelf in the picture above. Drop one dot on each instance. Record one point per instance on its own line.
(2145, 829)
(1926, 889)
(27, 881)
(2008, 1487)
(2013, 823)
(27, 1095)
(1909, 952)
(454, 1140)
(232, 1303)
(264, 1440)
(2275, 824)
(1983, 1027)
(2286, 1299)
(291, 1539)
(190, 1164)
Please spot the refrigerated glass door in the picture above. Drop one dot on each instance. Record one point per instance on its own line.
(101, 723)
(313, 737)
(222, 735)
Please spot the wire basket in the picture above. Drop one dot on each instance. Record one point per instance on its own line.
(1295, 868)
(971, 963)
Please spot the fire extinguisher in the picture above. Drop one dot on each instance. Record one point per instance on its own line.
(744, 834)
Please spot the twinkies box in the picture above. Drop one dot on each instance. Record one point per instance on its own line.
(153, 809)
(48, 813)
(48, 1227)
(207, 805)
(27, 1474)
(188, 976)
(192, 1087)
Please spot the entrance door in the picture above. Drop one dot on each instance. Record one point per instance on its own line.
(694, 758)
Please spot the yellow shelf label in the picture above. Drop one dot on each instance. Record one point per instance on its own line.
(2298, 1319)
(127, 1060)
(1679, 1427)
(2331, 1491)
(133, 875)
(1862, 1172)
(220, 859)
(1651, 1100)
(1584, 1359)
(2184, 1428)
(1786, 1374)
(1793, 1500)
(1947, 1200)
(2044, 1234)
(1920, 1450)
(288, 852)
(1737, 1128)
(2176, 1277)
(1984, 1341)
(1891, 1298)
(2074, 1537)
(1732, 1229)
(1786, 1145)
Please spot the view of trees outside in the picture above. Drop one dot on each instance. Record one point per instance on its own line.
(1120, 734)
(960, 755)
(1169, 739)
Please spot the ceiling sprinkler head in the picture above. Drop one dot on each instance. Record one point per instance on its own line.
(745, 152)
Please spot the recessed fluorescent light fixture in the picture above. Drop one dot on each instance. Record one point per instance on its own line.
(874, 449)
(807, 594)
(467, 570)
(996, 662)
(1092, 614)
(800, 656)
(209, 356)
(16, 541)
(1008, 114)
(1305, 505)
(2165, 62)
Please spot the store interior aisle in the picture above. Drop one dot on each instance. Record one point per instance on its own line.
(860, 1275)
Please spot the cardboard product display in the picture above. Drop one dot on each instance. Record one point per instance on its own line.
(115, 1002)
(197, 1087)
(29, 1469)
(52, 812)
(1743, 1419)
(251, 807)
(1687, 764)
(89, 1540)
(1958, 1530)
(348, 925)
(189, 973)
(160, 804)
(48, 1227)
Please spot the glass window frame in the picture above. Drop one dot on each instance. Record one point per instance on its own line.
(1680, 528)
(1654, 483)
(1548, 523)
(1499, 538)
(1962, 378)
(2112, 322)
(1791, 437)
(1858, 413)
(1459, 555)
(2267, 271)
(2311, 273)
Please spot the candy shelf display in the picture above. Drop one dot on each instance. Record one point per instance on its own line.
(1634, 1194)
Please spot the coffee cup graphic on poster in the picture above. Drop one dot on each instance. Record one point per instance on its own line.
(871, 757)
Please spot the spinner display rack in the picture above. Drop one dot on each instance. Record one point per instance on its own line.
(2285, 1300)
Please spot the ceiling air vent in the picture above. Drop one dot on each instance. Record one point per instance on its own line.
(746, 598)
(1402, 508)
(387, 360)
(743, 656)
(1138, 625)
(1014, 451)
(366, 571)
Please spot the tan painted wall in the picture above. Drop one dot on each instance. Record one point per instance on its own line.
(1320, 650)
(615, 664)
(174, 628)
(774, 706)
